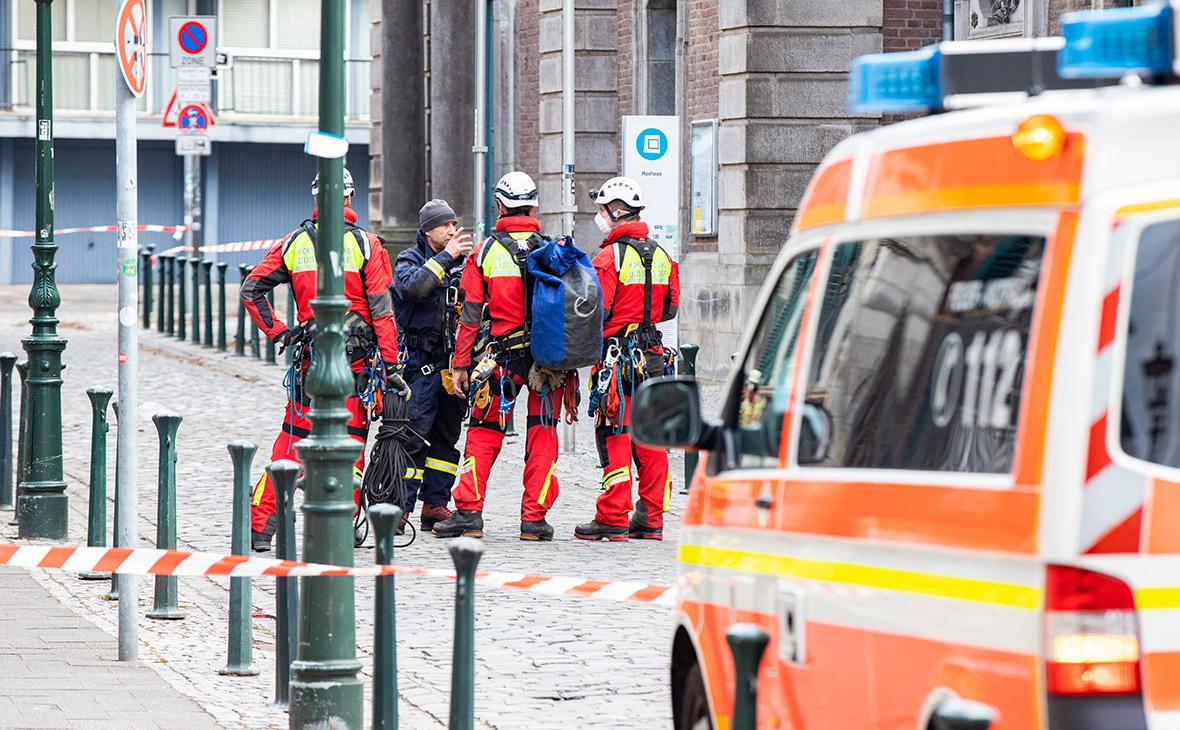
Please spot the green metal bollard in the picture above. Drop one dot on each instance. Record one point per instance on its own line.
(255, 343)
(195, 264)
(207, 275)
(221, 340)
(146, 267)
(170, 272)
(113, 593)
(689, 353)
(160, 294)
(747, 642)
(466, 552)
(7, 361)
(241, 627)
(270, 345)
(385, 519)
(166, 606)
(181, 298)
(283, 474)
(22, 433)
(240, 340)
(96, 516)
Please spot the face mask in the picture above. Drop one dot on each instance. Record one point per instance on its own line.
(602, 223)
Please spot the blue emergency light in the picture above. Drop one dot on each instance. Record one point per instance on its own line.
(1114, 43)
(896, 82)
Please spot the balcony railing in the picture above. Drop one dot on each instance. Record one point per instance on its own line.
(249, 85)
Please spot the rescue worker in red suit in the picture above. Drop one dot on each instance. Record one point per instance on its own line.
(640, 287)
(369, 323)
(495, 278)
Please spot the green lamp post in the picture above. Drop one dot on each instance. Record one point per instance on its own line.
(41, 498)
(325, 690)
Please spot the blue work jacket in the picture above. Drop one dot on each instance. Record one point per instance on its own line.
(420, 280)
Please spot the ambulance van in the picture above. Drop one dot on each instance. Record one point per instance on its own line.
(945, 479)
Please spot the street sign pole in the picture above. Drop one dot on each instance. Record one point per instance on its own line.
(126, 216)
(41, 507)
(325, 690)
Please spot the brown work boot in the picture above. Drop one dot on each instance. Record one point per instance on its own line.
(432, 514)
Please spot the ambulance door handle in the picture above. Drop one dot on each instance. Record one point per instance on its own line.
(764, 502)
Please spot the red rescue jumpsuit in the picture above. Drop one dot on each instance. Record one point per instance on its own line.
(367, 277)
(492, 276)
(630, 303)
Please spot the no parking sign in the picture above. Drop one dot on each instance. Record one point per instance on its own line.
(131, 44)
(193, 41)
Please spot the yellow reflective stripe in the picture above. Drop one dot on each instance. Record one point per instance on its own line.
(545, 487)
(617, 476)
(668, 492)
(469, 466)
(300, 254)
(258, 489)
(441, 465)
(869, 576)
(436, 268)
(622, 470)
(412, 473)
(1157, 598)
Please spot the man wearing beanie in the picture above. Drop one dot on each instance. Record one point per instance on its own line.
(425, 303)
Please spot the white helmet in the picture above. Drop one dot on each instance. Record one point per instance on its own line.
(517, 190)
(349, 188)
(620, 188)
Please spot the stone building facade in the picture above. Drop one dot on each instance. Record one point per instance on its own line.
(772, 73)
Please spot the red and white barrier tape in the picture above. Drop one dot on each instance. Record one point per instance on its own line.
(177, 231)
(264, 244)
(149, 561)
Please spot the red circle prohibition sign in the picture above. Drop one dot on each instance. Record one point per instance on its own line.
(131, 45)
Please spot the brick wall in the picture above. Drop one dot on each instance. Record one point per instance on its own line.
(528, 85)
(910, 24)
(626, 57)
(700, 99)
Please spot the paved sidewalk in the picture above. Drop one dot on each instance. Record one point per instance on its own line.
(60, 671)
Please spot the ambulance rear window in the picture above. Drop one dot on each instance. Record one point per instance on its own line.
(1151, 379)
(920, 348)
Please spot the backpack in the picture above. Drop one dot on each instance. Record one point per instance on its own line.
(566, 307)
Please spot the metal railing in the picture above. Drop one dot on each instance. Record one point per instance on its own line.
(254, 85)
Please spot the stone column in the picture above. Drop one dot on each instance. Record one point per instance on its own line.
(452, 103)
(596, 111)
(783, 105)
(398, 141)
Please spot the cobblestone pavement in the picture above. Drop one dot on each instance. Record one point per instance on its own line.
(541, 662)
(60, 671)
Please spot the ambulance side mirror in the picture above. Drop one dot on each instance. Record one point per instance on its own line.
(815, 433)
(666, 413)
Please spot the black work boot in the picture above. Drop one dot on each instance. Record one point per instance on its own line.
(462, 522)
(637, 527)
(536, 530)
(595, 530)
(260, 541)
(432, 514)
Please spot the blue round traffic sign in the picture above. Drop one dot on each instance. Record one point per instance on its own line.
(651, 143)
(193, 37)
(193, 118)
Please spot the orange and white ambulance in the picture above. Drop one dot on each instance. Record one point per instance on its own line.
(946, 475)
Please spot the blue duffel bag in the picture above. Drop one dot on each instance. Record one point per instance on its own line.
(566, 328)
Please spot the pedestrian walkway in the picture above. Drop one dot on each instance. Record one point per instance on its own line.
(60, 671)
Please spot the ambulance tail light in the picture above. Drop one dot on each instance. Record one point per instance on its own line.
(1113, 43)
(1091, 633)
(909, 81)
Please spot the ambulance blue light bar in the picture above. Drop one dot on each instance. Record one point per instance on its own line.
(1114, 43)
(896, 82)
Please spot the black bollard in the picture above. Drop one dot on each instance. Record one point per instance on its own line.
(96, 516)
(207, 276)
(159, 261)
(195, 264)
(282, 475)
(7, 361)
(689, 353)
(146, 269)
(166, 606)
(385, 519)
(255, 347)
(747, 642)
(170, 261)
(270, 345)
(240, 340)
(221, 267)
(465, 552)
(181, 298)
(241, 627)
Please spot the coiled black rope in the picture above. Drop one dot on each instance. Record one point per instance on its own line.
(385, 475)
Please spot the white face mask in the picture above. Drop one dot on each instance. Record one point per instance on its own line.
(601, 221)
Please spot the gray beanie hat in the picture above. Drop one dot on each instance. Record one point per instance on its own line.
(435, 213)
